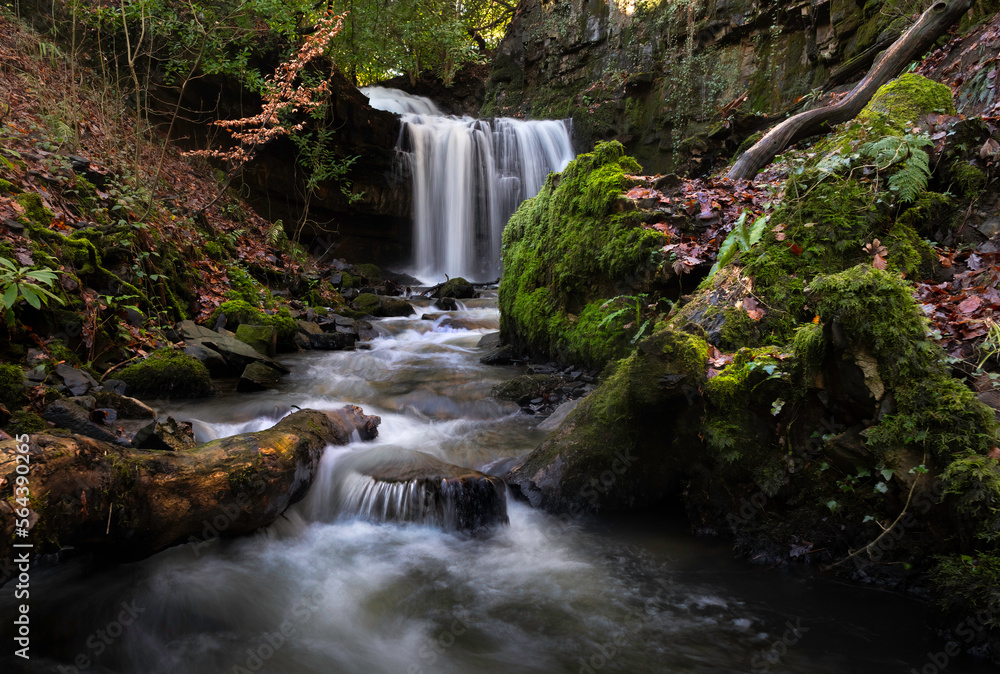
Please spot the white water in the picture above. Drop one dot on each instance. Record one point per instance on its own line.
(468, 176)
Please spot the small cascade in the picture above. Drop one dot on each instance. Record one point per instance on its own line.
(468, 175)
(389, 484)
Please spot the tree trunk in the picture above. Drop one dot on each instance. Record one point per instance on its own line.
(912, 44)
(132, 503)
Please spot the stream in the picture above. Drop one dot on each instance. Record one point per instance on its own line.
(324, 591)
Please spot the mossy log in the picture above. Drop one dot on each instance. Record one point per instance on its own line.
(132, 503)
(912, 44)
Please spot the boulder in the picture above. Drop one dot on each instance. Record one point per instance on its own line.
(446, 304)
(394, 485)
(257, 377)
(189, 330)
(98, 424)
(366, 331)
(210, 358)
(332, 341)
(263, 338)
(616, 450)
(130, 504)
(77, 381)
(172, 435)
(458, 288)
(308, 327)
(237, 354)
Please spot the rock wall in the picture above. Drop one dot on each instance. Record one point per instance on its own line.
(679, 84)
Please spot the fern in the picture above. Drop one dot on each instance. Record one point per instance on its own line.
(905, 161)
(276, 234)
(742, 238)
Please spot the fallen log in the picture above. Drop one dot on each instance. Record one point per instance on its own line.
(132, 503)
(911, 44)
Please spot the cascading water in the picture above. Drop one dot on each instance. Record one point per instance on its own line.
(468, 176)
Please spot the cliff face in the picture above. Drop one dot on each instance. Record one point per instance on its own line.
(679, 84)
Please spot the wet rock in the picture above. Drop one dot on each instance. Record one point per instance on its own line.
(125, 406)
(237, 354)
(301, 342)
(257, 377)
(992, 400)
(390, 484)
(332, 341)
(86, 402)
(114, 386)
(446, 304)
(263, 338)
(458, 288)
(366, 331)
(77, 381)
(210, 358)
(458, 323)
(392, 306)
(501, 355)
(432, 316)
(525, 388)
(559, 414)
(168, 373)
(75, 418)
(172, 435)
(308, 327)
(189, 330)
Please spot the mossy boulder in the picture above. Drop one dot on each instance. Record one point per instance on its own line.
(167, 373)
(366, 303)
(902, 102)
(569, 250)
(11, 386)
(458, 288)
(626, 444)
(368, 271)
(24, 422)
(239, 312)
(263, 338)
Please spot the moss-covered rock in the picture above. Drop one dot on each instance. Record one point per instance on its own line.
(366, 303)
(624, 445)
(11, 386)
(167, 373)
(902, 102)
(239, 312)
(368, 271)
(24, 422)
(263, 338)
(458, 288)
(569, 250)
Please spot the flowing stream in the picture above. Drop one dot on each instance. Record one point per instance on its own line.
(468, 176)
(328, 590)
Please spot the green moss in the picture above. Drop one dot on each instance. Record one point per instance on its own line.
(239, 312)
(167, 373)
(366, 303)
(973, 495)
(936, 415)
(970, 585)
(369, 271)
(903, 101)
(809, 346)
(876, 309)
(245, 287)
(214, 251)
(458, 288)
(970, 180)
(11, 386)
(25, 422)
(8, 187)
(34, 209)
(260, 337)
(567, 248)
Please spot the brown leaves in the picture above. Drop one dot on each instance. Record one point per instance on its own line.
(878, 253)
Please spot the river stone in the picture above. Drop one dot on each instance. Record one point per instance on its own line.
(395, 485)
(210, 358)
(393, 306)
(458, 288)
(172, 435)
(189, 330)
(332, 341)
(365, 330)
(308, 327)
(263, 338)
(257, 377)
(128, 432)
(77, 381)
(446, 304)
(237, 354)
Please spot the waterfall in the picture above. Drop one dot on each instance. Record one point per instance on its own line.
(468, 176)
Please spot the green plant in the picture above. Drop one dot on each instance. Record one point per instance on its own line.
(742, 238)
(644, 314)
(907, 158)
(25, 283)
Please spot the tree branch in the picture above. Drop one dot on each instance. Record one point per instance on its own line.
(912, 44)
